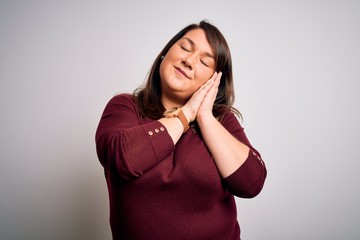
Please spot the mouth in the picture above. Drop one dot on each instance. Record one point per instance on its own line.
(182, 72)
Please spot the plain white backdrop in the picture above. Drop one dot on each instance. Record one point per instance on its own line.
(296, 69)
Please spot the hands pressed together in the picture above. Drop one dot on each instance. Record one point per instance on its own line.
(198, 107)
(201, 103)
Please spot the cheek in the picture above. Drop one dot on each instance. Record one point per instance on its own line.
(161, 69)
(204, 75)
(164, 67)
(172, 54)
(166, 62)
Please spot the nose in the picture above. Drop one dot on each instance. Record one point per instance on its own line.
(189, 61)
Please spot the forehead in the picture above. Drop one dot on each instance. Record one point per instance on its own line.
(198, 37)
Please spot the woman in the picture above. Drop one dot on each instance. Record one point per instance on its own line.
(174, 152)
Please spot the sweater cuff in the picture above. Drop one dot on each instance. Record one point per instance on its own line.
(159, 138)
(247, 181)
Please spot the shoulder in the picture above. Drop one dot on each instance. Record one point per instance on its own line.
(122, 100)
(123, 97)
(230, 120)
(229, 116)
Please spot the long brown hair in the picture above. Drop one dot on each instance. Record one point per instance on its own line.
(148, 96)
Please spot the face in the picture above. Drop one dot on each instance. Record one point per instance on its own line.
(188, 64)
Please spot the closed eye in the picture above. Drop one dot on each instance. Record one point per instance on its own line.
(204, 63)
(183, 48)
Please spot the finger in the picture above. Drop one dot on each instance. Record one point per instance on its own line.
(212, 92)
(216, 84)
(210, 82)
(213, 77)
(205, 88)
(218, 78)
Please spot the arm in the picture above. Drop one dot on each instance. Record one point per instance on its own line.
(128, 148)
(125, 146)
(228, 153)
(247, 179)
(241, 167)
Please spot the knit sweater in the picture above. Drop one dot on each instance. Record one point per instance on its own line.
(162, 191)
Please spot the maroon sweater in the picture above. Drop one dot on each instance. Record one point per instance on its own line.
(159, 190)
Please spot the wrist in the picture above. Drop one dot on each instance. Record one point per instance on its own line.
(187, 113)
(177, 112)
(204, 118)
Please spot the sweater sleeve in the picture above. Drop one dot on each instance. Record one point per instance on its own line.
(125, 147)
(248, 180)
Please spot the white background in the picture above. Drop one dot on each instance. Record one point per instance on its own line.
(296, 68)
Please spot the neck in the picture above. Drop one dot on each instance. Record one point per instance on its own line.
(171, 102)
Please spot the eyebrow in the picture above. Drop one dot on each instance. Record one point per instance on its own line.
(193, 44)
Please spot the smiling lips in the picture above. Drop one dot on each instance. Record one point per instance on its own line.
(182, 72)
